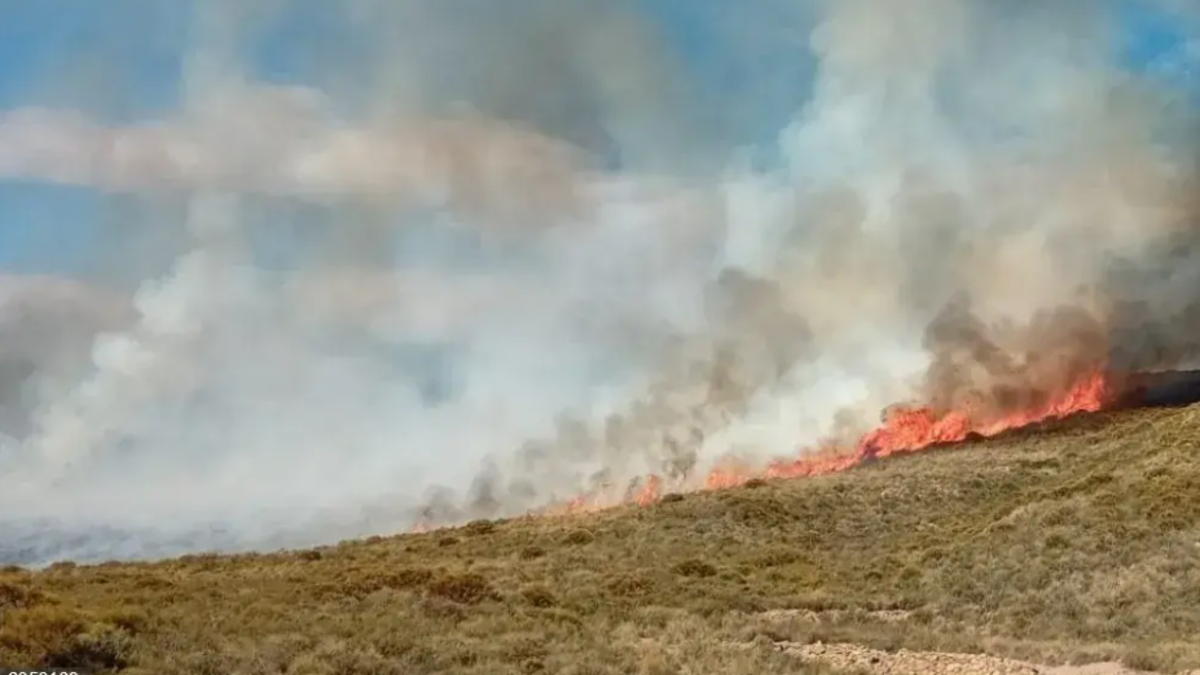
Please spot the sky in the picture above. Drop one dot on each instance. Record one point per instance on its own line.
(133, 47)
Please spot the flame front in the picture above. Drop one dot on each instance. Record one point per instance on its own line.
(905, 430)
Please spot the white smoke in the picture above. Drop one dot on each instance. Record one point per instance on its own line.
(948, 148)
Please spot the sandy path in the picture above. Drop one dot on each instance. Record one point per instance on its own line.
(903, 662)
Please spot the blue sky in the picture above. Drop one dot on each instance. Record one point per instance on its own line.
(133, 48)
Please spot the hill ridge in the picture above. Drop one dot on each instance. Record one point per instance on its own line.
(1075, 542)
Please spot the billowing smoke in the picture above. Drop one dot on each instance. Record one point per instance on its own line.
(480, 261)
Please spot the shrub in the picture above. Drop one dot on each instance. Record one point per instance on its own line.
(531, 553)
(695, 568)
(60, 637)
(539, 596)
(465, 589)
(579, 537)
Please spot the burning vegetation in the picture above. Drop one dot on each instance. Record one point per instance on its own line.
(982, 381)
(445, 280)
(905, 429)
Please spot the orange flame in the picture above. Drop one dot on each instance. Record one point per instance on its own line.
(905, 431)
(910, 430)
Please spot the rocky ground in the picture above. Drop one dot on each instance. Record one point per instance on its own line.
(856, 658)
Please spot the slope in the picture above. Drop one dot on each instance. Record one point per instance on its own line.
(1079, 541)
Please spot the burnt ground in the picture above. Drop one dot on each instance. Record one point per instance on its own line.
(1164, 389)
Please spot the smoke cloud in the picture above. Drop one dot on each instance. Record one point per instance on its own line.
(484, 261)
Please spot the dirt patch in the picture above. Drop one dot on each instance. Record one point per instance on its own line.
(1090, 669)
(856, 658)
(835, 615)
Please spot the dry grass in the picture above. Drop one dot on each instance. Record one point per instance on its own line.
(1078, 543)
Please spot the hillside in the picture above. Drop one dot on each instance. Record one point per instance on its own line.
(1079, 542)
